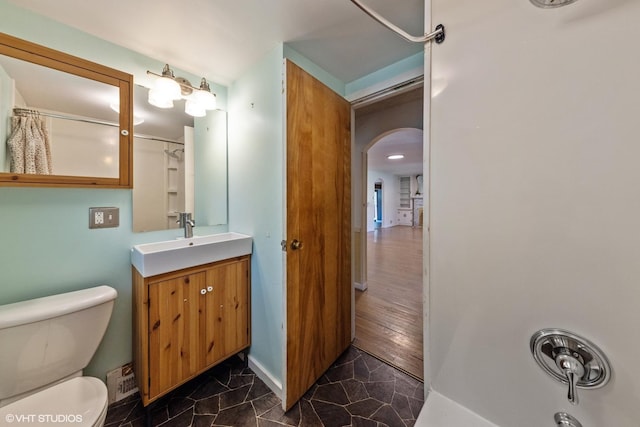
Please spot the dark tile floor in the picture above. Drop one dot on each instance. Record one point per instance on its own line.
(358, 390)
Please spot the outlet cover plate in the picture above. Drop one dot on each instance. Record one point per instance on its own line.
(104, 217)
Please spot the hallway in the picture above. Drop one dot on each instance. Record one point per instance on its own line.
(389, 312)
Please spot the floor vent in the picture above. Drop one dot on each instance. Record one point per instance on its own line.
(121, 383)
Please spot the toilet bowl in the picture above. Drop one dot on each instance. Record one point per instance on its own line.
(80, 401)
(46, 343)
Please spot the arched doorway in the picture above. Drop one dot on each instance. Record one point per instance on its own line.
(389, 308)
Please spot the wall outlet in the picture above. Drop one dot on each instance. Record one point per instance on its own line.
(98, 217)
(104, 217)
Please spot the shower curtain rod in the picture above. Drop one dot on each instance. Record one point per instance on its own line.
(19, 111)
(155, 138)
(437, 35)
(383, 93)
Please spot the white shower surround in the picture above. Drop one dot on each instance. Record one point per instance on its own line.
(535, 205)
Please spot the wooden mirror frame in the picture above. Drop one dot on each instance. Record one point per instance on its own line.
(37, 54)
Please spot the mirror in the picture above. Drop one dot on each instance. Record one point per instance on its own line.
(175, 157)
(56, 109)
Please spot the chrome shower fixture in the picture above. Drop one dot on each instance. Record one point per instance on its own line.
(570, 359)
(548, 4)
(563, 419)
(173, 153)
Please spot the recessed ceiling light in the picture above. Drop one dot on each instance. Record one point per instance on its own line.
(395, 156)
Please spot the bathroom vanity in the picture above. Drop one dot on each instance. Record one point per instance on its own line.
(188, 320)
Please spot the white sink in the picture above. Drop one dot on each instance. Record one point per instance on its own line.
(171, 255)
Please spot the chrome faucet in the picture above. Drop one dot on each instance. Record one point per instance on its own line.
(185, 221)
(573, 368)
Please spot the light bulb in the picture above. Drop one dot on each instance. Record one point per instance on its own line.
(168, 88)
(158, 100)
(194, 109)
(206, 99)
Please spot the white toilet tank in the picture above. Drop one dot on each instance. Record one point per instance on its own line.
(45, 340)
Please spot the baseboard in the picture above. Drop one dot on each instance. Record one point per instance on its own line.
(274, 384)
(360, 286)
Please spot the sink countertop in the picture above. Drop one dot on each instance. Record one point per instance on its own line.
(151, 259)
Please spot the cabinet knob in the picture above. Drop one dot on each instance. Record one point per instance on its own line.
(209, 288)
(203, 291)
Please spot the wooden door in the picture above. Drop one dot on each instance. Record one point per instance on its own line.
(318, 290)
(228, 312)
(174, 332)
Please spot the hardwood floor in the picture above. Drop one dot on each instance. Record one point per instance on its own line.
(389, 312)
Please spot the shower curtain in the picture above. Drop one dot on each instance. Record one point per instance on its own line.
(29, 145)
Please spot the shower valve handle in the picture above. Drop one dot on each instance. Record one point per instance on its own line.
(574, 370)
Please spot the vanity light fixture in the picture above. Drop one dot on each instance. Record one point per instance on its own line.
(165, 89)
(164, 92)
(395, 157)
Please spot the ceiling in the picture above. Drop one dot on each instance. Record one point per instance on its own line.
(221, 39)
(405, 141)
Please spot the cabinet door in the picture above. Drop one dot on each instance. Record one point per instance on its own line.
(174, 331)
(228, 314)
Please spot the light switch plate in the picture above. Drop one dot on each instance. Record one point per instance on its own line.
(104, 217)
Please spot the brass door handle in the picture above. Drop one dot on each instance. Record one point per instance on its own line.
(296, 244)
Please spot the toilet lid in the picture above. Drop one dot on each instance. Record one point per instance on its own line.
(78, 402)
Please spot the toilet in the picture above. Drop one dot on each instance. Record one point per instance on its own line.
(45, 343)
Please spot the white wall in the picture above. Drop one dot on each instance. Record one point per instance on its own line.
(390, 198)
(535, 204)
(149, 192)
(367, 128)
(159, 192)
(68, 139)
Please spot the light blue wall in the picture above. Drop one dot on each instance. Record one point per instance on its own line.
(389, 72)
(47, 247)
(210, 160)
(329, 80)
(256, 187)
(256, 197)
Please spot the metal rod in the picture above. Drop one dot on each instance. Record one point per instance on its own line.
(155, 138)
(383, 93)
(20, 111)
(437, 35)
(180, 80)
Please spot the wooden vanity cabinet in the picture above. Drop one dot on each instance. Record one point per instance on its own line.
(187, 321)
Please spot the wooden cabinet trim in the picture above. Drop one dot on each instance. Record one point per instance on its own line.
(240, 288)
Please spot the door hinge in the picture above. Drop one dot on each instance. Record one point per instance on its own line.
(283, 243)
